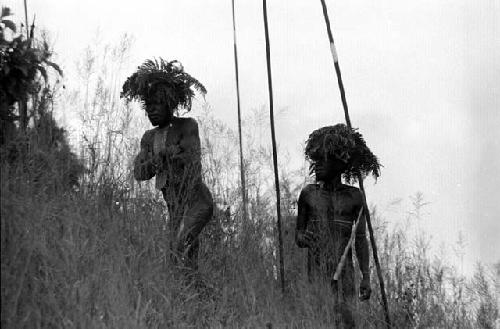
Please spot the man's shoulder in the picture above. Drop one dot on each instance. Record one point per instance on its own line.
(310, 188)
(186, 126)
(353, 191)
(186, 122)
(307, 194)
(150, 132)
(148, 135)
(350, 188)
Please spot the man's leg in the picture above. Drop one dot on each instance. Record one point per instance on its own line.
(192, 254)
(345, 294)
(175, 214)
(313, 264)
(196, 216)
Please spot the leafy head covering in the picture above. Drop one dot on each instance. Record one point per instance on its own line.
(343, 144)
(163, 79)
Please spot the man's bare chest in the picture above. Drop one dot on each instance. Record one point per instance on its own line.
(327, 206)
(166, 137)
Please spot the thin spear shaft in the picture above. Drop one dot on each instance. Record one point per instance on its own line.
(336, 64)
(23, 104)
(360, 178)
(275, 156)
(242, 168)
(26, 19)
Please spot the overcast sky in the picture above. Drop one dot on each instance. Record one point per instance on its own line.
(422, 80)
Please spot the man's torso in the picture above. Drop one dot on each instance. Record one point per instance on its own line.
(331, 214)
(173, 172)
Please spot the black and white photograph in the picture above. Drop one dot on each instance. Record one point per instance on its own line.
(274, 164)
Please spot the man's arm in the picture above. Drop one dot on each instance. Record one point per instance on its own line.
(144, 167)
(361, 245)
(303, 239)
(363, 255)
(188, 150)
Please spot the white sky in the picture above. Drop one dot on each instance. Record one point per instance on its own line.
(422, 81)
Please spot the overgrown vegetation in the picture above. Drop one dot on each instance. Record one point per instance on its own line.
(94, 255)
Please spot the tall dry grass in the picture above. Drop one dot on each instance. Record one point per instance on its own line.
(97, 257)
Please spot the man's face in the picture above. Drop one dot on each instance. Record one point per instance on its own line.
(158, 111)
(327, 169)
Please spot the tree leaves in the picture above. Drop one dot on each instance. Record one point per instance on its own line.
(55, 67)
(9, 24)
(22, 62)
(6, 12)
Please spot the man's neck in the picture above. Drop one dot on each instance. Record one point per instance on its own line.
(332, 184)
(167, 124)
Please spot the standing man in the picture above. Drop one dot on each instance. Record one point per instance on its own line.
(328, 209)
(171, 151)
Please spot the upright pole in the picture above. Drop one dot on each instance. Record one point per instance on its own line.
(275, 156)
(26, 20)
(360, 178)
(242, 166)
(23, 104)
(336, 64)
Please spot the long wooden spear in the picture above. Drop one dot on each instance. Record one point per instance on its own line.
(23, 104)
(275, 156)
(242, 168)
(360, 178)
(26, 20)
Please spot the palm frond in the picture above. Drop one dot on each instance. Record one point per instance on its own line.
(166, 79)
(345, 144)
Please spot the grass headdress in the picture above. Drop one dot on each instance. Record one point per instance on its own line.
(346, 145)
(163, 79)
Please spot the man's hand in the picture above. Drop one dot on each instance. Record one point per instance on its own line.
(305, 239)
(157, 161)
(170, 152)
(144, 166)
(173, 150)
(364, 289)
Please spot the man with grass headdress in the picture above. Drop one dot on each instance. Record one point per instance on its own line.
(328, 209)
(171, 151)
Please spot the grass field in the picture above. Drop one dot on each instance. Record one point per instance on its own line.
(97, 257)
(95, 254)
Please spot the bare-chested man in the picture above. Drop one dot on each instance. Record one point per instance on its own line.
(328, 209)
(171, 151)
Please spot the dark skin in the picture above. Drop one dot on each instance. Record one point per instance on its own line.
(160, 114)
(337, 206)
(172, 153)
(182, 143)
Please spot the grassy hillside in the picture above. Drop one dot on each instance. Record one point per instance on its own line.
(84, 246)
(96, 256)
